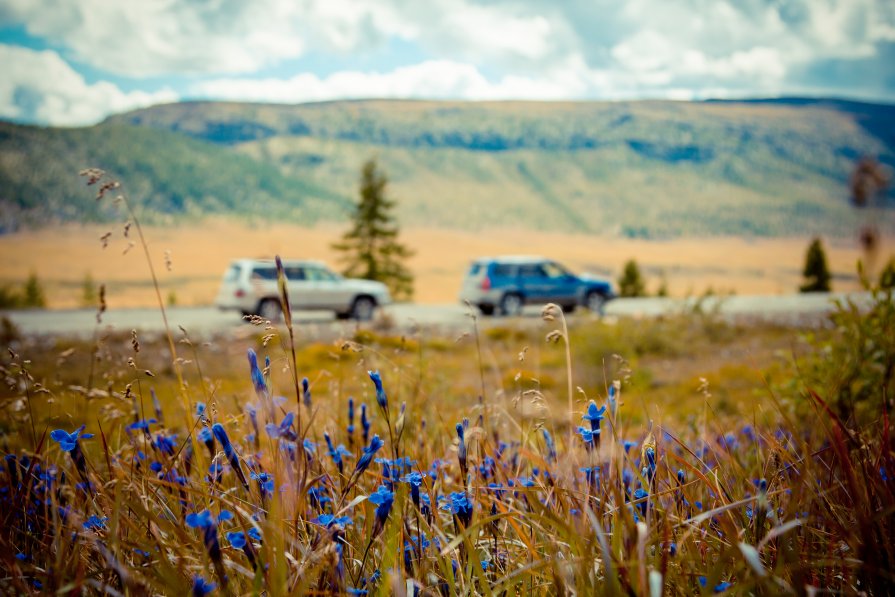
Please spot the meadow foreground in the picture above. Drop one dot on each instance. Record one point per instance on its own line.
(680, 456)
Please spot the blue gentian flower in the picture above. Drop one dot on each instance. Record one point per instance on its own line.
(257, 375)
(588, 436)
(383, 499)
(284, 429)
(719, 588)
(415, 479)
(237, 539)
(265, 482)
(201, 588)
(594, 415)
(350, 428)
(329, 520)
(364, 422)
(221, 435)
(461, 507)
(649, 471)
(381, 398)
(69, 441)
(306, 392)
(461, 448)
(369, 452)
(95, 523)
(641, 494)
(551, 446)
(166, 444)
(141, 424)
(613, 398)
(206, 522)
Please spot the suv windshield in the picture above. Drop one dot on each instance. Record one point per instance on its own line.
(554, 270)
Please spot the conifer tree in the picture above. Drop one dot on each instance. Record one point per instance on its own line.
(370, 249)
(631, 284)
(816, 272)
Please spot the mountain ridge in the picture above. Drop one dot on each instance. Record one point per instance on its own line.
(764, 167)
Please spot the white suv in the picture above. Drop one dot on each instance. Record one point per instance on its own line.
(250, 286)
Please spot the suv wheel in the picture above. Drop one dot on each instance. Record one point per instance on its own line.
(595, 302)
(511, 304)
(270, 309)
(362, 309)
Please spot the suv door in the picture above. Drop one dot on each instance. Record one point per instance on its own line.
(300, 294)
(327, 289)
(561, 285)
(533, 282)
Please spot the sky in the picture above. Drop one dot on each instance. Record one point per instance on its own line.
(74, 62)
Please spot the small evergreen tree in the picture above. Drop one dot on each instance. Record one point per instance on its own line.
(887, 276)
(631, 284)
(370, 249)
(816, 272)
(88, 291)
(33, 295)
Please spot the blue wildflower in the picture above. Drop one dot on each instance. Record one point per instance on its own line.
(200, 587)
(594, 415)
(166, 444)
(95, 523)
(221, 435)
(642, 497)
(551, 445)
(206, 522)
(613, 398)
(719, 588)
(383, 499)
(415, 480)
(69, 441)
(141, 424)
(265, 482)
(306, 392)
(329, 520)
(369, 452)
(350, 428)
(381, 398)
(284, 429)
(461, 448)
(238, 541)
(461, 507)
(364, 422)
(257, 376)
(588, 436)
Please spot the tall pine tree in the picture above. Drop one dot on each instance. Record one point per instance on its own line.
(370, 249)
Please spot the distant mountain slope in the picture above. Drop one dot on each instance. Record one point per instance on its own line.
(171, 175)
(774, 167)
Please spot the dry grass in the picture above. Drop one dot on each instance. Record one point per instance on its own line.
(201, 252)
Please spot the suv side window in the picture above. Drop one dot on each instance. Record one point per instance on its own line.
(503, 270)
(532, 270)
(294, 273)
(264, 272)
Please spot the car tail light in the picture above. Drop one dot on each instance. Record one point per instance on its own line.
(486, 283)
(239, 293)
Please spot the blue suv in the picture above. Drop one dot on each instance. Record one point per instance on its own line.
(505, 284)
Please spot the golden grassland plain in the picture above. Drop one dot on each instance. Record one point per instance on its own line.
(64, 256)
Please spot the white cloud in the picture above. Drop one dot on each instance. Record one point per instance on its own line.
(430, 79)
(474, 49)
(41, 87)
